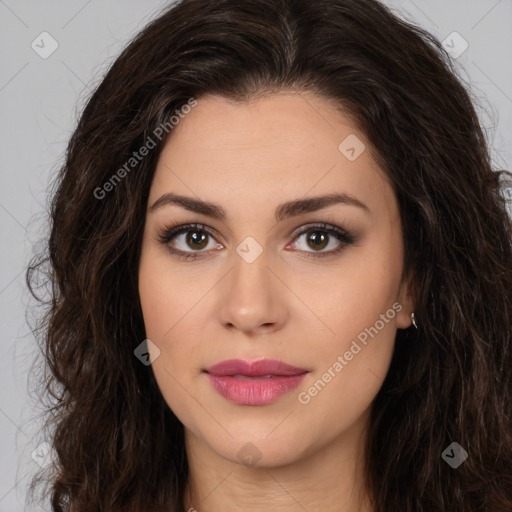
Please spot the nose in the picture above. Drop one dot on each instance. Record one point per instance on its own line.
(252, 297)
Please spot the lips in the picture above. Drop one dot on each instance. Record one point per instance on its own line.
(254, 383)
(260, 368)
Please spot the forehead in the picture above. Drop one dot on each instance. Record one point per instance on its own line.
(270, 149)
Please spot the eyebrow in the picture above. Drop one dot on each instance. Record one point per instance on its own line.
(283, 211)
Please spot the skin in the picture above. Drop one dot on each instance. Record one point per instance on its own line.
(248, 158)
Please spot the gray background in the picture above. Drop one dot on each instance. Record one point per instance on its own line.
(40, 100)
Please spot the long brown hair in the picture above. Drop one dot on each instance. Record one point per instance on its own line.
(118, 445)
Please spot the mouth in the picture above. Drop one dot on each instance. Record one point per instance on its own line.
(254, 383)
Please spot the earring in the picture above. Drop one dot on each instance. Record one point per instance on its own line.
(413, 320)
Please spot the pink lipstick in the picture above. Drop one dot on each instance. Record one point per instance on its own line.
(254, 383)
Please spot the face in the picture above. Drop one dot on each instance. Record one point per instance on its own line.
(309, 293)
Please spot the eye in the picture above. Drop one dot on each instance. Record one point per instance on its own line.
(179, 240)
(318, 237)
(189, 241)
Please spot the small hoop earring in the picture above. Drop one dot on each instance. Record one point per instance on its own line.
(414, 320)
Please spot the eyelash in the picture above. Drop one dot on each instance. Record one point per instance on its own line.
(170, 232)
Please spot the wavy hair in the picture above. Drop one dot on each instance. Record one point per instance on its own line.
(118, 446)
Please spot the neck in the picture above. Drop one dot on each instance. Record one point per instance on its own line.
(330, 478)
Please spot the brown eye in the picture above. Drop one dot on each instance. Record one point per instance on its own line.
(317, 240)
(190, 240)
(319, 237)
(197, 240)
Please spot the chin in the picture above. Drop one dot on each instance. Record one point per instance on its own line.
(259, 450)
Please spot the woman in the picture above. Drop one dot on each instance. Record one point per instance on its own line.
(281, 273)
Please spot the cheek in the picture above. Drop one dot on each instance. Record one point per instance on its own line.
(167, 300)
(350, 296)
(168, 294)
(160, 300)
(174, 303)
(352, 363)
(360, 308)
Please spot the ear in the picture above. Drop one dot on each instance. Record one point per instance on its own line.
(406, 300)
